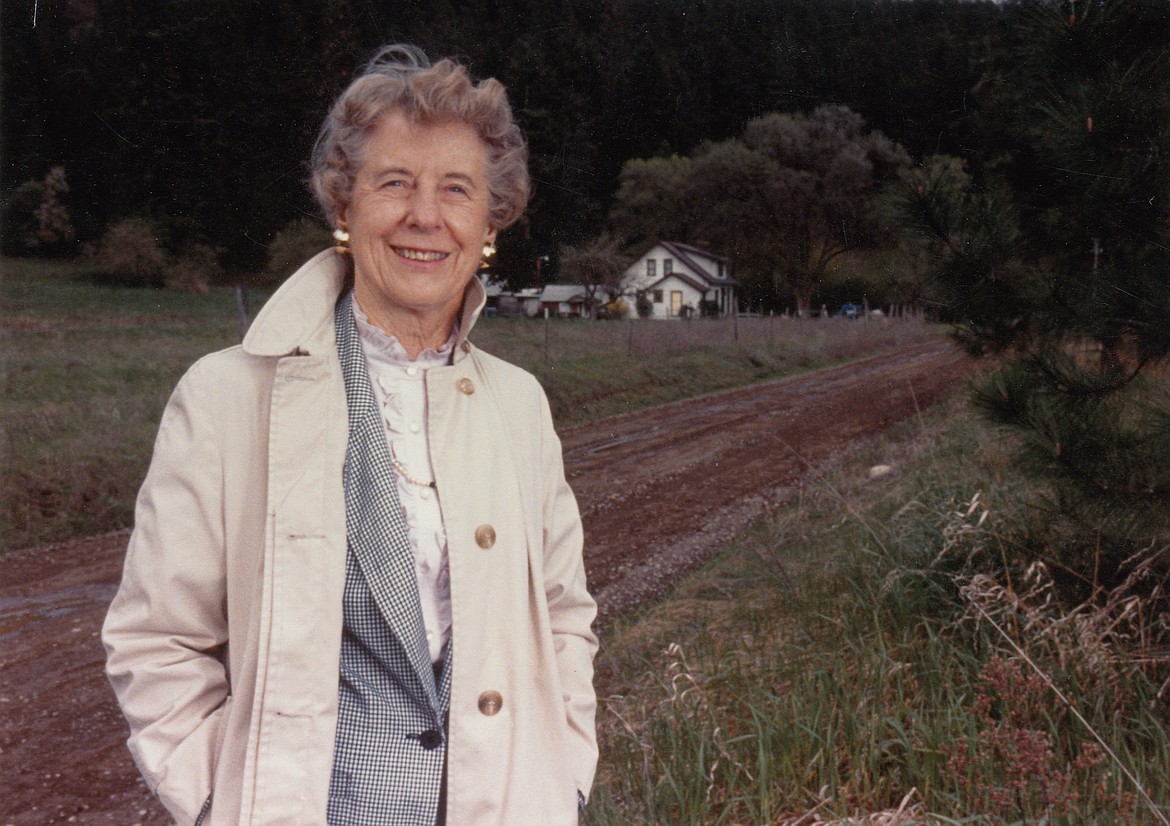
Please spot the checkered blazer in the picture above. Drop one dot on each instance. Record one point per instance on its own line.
(391, 734)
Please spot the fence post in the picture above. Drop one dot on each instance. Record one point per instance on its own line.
(243, 314)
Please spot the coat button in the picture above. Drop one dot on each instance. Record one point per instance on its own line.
(490, 703)
(430, 740)
(465, 346)
(485, 536)
(465, 386)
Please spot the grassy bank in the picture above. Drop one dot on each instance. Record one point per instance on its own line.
(85, 373)
(845, 660)
(595, 369)
(86, 370)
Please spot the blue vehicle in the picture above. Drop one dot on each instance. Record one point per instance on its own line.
(850, 311)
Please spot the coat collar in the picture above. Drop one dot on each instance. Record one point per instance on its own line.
(298, 318)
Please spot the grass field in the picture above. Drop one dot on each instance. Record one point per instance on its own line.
(87, 369)
(845, 662)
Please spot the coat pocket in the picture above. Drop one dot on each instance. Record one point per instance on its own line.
(186, 784)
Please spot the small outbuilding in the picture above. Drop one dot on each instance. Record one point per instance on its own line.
(564, 301)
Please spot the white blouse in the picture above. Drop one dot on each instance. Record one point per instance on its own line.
(399, 385)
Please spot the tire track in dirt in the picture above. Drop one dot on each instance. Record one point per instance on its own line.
(660, 491)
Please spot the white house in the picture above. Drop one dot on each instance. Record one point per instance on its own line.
(676, 277)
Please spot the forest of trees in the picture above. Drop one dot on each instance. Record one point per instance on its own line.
(199, 114)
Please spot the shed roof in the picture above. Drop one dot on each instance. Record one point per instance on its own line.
(561, 293)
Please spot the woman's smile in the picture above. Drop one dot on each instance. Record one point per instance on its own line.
(419, 255)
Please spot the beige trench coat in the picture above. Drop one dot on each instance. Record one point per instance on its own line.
(223, 640)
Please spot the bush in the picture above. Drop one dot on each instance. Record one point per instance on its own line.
(36, 219)
(54, 227)
(194, 270)
(131, 253)
(617, 308)
(299, 241)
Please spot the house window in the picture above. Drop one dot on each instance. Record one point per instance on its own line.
(651, 268)
(667, 266)
(658, 296)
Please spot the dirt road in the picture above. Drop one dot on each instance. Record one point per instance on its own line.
(659, 490)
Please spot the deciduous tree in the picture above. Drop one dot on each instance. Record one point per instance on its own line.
(782, 201)
(598, 266)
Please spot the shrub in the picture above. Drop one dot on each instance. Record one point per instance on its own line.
(617, 309)
(131, 253)
(299, 241)
(194, 270)
(54, 228)
(36, 220)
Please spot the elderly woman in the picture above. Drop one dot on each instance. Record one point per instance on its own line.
(354, 592)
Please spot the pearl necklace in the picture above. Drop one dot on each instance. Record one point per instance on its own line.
(398, 467)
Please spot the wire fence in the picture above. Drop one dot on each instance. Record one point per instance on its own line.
(523, 340)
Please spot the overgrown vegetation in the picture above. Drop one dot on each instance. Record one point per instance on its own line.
(87, 369)
(850, 659)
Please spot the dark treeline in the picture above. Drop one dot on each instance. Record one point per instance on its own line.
(200, 114)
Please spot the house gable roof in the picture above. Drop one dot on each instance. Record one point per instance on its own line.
(686, 251)
(693, 257)
(679, 275)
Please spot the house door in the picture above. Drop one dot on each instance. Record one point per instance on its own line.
(675, 302)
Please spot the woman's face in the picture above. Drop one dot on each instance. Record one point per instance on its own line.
(417, 220)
